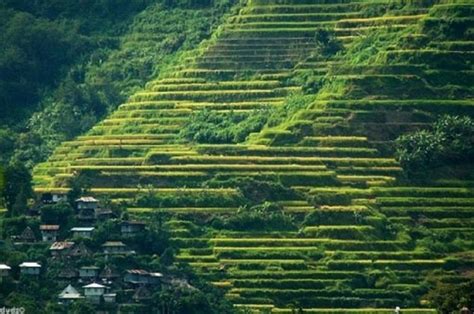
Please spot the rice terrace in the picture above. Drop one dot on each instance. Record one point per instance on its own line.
(226, 156)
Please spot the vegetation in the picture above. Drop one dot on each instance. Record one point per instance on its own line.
(94, 72)
(17, 189)
(450, 298)
(449, 142)
(221, 128)
(259, 167)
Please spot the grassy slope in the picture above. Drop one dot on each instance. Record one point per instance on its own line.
(361, 235)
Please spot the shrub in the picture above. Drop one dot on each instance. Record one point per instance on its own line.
(58, 214)
(326, 43)
(267, 216)
(450, 141)
(254, 190)
(216, 128)
(448, 298)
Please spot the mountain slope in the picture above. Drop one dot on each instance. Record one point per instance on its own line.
(350, 231)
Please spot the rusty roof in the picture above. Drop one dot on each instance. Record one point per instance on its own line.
(49, 227)
(59, 246)
(138, 272)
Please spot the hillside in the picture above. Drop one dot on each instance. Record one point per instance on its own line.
(66, 65)
(271, 148)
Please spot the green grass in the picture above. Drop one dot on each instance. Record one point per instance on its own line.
(352, 207)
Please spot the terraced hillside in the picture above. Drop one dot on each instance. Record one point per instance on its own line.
(362, 235)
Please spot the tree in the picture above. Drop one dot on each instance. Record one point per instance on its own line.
(25, 301)
(7, 144)
(168, 257)
(81, 307)
(2, 181)
(457, 136)
(326, 43)
(17, 189)
(450, 141)
(57, 214)
(80, 185)
(419, 150)
(450, 298)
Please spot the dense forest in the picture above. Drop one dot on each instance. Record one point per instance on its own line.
(226, 156)
(66, 64)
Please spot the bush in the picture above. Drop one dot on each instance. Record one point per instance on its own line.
(217, 128)
(255, 191)
(57, 214)
(450, 298)
(450, 141)
(267, 216)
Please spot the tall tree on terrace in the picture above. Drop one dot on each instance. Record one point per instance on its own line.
(17, 189)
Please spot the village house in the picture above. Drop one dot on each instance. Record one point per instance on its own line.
(4, 271)
(27, 236)
(61, 248)
(79, 251)
(173, 283)
(68, 273)
(94, 292)
(136, 276)
(115, 247)
(142, 277)
(155, 278)
(130, 228)
(86, 208)
(49, 233)
(142, 294)
(110, 298)
(108, 275)
(88, 273)
(82, 232)
(87, 202)
(30, 268)
(69, 295)
(104, 214)
(53, 198)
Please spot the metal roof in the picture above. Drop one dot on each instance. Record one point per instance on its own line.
(70, 293)
(94, 285)
(82, 229)
(87, 199)
(30, 265)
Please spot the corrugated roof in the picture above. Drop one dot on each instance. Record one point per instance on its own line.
(137, 272)
(58, 246)
(49, 227)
